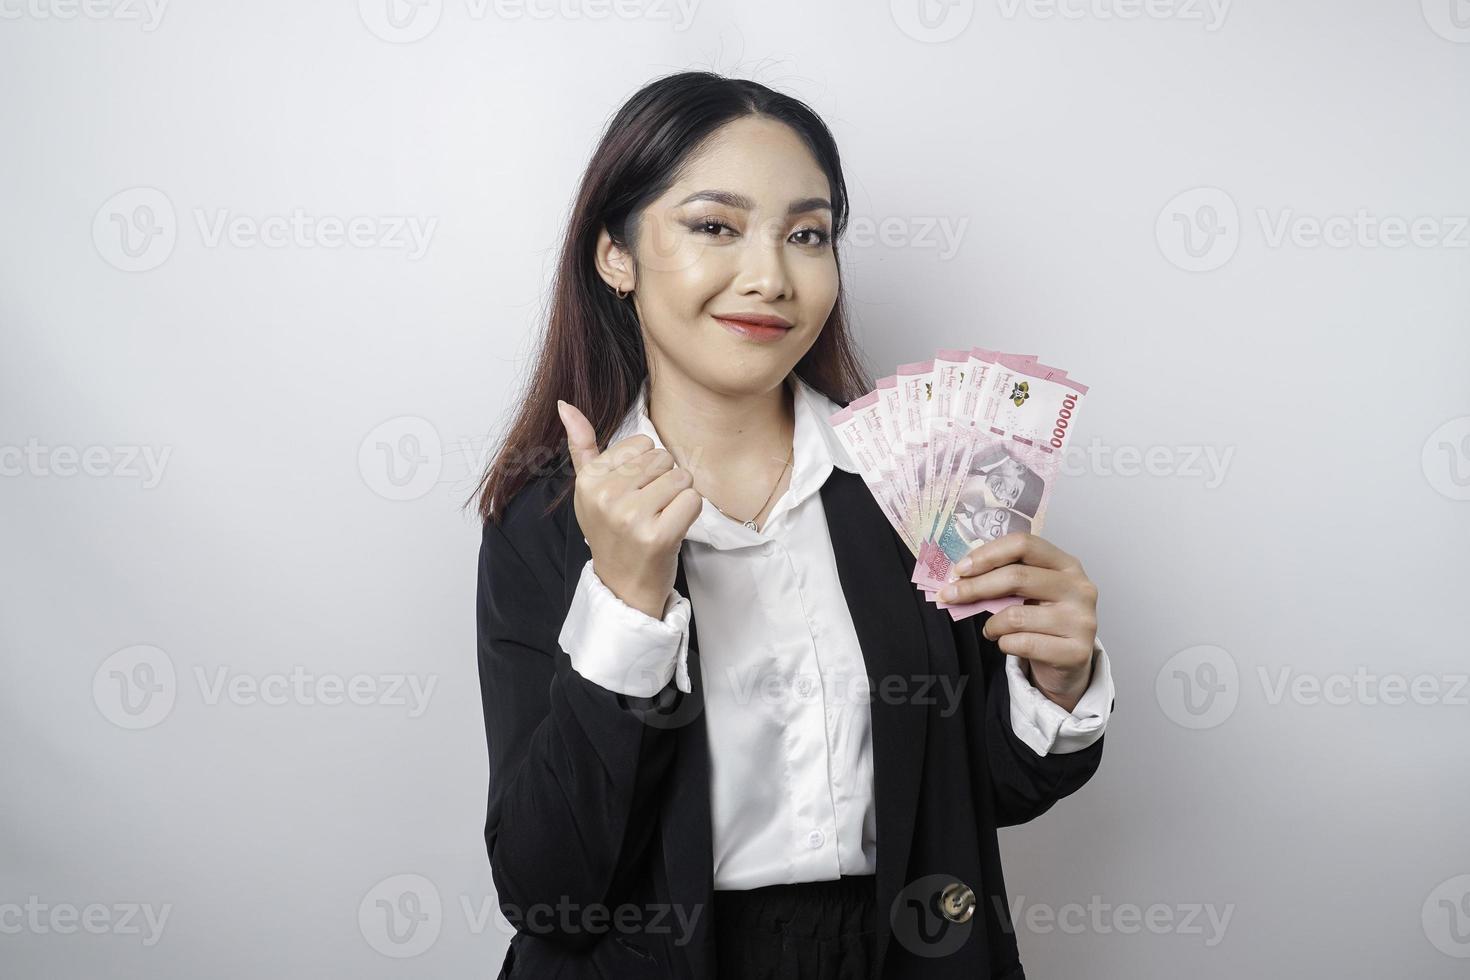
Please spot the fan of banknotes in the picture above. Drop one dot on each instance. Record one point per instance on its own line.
(959, 450)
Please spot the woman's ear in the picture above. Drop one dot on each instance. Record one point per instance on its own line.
(614, 264)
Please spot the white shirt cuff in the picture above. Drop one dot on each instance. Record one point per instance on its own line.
(624, 649)
(1047, 727)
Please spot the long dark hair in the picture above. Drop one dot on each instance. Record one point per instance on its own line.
(592, 352)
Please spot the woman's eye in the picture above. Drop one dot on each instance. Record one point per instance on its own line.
(712, 226)
(706, 224)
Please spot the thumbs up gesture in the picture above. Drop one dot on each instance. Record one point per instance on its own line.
(634, 507)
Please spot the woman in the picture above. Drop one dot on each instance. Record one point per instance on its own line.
(810, 784)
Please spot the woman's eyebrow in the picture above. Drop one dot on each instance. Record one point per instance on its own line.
(743, 203)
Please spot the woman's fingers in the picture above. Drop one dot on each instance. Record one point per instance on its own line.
(1030, 581)
(581, 437)
(680, 512)
(1040, 648)
(1018, 546)
(1056, 625)
(622, 459)
(663, 484)
(1051, 619)
(643, 469)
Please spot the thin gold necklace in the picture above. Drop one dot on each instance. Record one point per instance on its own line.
(751, 523)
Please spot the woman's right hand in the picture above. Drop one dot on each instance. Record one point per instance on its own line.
(634, 506)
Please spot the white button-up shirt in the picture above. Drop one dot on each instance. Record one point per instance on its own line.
(785, 686)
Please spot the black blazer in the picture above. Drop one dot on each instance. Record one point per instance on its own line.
(598, 826)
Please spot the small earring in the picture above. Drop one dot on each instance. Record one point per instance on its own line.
(620, 293)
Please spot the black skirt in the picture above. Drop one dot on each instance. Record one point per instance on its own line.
(812, 930)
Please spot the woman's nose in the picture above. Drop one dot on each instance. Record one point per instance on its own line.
(763, 264)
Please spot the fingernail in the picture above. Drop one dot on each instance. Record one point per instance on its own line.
(946, 594)
(964, 566)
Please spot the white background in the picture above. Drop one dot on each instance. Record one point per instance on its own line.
(1131, 197)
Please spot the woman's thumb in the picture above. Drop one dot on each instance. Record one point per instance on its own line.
(581, 437)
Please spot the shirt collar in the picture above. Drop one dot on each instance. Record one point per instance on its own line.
(816, 450)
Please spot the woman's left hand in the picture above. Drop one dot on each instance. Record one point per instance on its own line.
(1053, 628)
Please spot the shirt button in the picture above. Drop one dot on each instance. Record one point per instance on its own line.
(815, 839)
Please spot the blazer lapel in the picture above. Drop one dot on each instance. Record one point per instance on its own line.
(687, 835)
(874, 566)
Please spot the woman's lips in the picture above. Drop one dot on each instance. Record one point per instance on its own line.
(753, 331)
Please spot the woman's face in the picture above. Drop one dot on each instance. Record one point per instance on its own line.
(746, 229)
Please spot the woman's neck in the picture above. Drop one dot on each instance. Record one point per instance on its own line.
(736, 446)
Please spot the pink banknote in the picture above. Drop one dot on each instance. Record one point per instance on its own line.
(960, 449)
